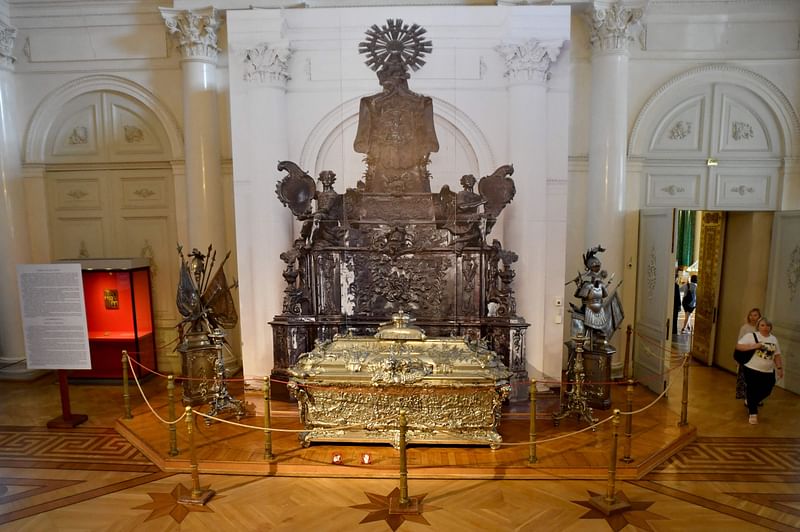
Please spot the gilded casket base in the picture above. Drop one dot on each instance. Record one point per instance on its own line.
(445, 414)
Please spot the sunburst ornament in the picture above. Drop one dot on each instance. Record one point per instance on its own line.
(393, 44)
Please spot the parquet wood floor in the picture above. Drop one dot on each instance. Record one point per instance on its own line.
(733, 476)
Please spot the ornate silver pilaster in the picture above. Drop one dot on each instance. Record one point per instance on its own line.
(195, 31)
(612, 26)
(7, 36)
(267, 63)
(529, 61)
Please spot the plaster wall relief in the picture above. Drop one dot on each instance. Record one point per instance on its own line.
(8, 35)
(529, 61)
(267, 63)
(743, 129)
(613, 27)
(682, 130)
(194, 31)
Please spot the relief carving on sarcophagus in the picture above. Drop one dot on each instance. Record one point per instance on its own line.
(390, 244)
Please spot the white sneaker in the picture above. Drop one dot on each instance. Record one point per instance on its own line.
(753, 419)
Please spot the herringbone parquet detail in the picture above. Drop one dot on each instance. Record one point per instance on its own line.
(34, 445)
(717, 458)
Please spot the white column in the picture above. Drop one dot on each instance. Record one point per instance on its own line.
(196, 34)
(13, 223)
(525, 224)
(264, 227)
(611, 27)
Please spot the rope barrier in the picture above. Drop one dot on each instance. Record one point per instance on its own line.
(387, 420)
(144, 397)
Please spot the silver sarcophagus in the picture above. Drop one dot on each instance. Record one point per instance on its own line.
(352, 389)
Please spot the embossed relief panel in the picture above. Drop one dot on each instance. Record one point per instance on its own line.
(77, 134)
(130, 130)
(683, 130)
(76, 193)
(143, 192)
(744, 126)
(742, 188)
(683, 187)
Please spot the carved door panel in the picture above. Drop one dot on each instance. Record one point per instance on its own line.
(712, 237)
(783, 293)
(655, 278)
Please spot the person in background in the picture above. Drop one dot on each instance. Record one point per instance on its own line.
(759, 371)
(748, 328)
(676, 301)
(689, 302)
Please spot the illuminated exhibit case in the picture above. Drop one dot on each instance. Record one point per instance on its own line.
(119, 315)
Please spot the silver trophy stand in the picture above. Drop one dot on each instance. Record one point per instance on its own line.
(576, 401)
(221, 400)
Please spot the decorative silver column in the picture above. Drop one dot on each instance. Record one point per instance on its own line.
(13, 223)
(525, 227)
(195, 32)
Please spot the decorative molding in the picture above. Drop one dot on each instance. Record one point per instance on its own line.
(148, 253)
(265, 63)
(793, 272)
(680, 130)
(530, 61)
(8, 35)
(672, 190)
(79, 135)
(742, 130)
(773, 97)
(133, 134)
(144, 193)
(612, 27)
(195, 30)
(743, 189)
(77, 194)
(652, 273)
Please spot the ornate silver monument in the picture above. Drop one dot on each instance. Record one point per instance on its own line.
(391, 244)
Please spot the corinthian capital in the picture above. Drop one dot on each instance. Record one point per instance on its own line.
(7, 36)
(612, 26)
(195, 30)
(531, 60)
(267, 63)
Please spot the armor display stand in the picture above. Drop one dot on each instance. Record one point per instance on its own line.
(221, 400)
(576, 401)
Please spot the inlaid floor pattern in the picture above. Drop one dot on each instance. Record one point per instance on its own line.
(732, 477)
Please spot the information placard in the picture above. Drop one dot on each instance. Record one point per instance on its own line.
(54, 316)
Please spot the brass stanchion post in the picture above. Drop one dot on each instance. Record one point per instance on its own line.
(685, 398)
(126, 396)
(610, 504)
(532, 455)
(401, 503)
(626, 458)
(173, 430)
(197, 495)
(267, 421)
(403, 462)
(628, 369)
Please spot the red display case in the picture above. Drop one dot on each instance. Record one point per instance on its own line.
(119, 315)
